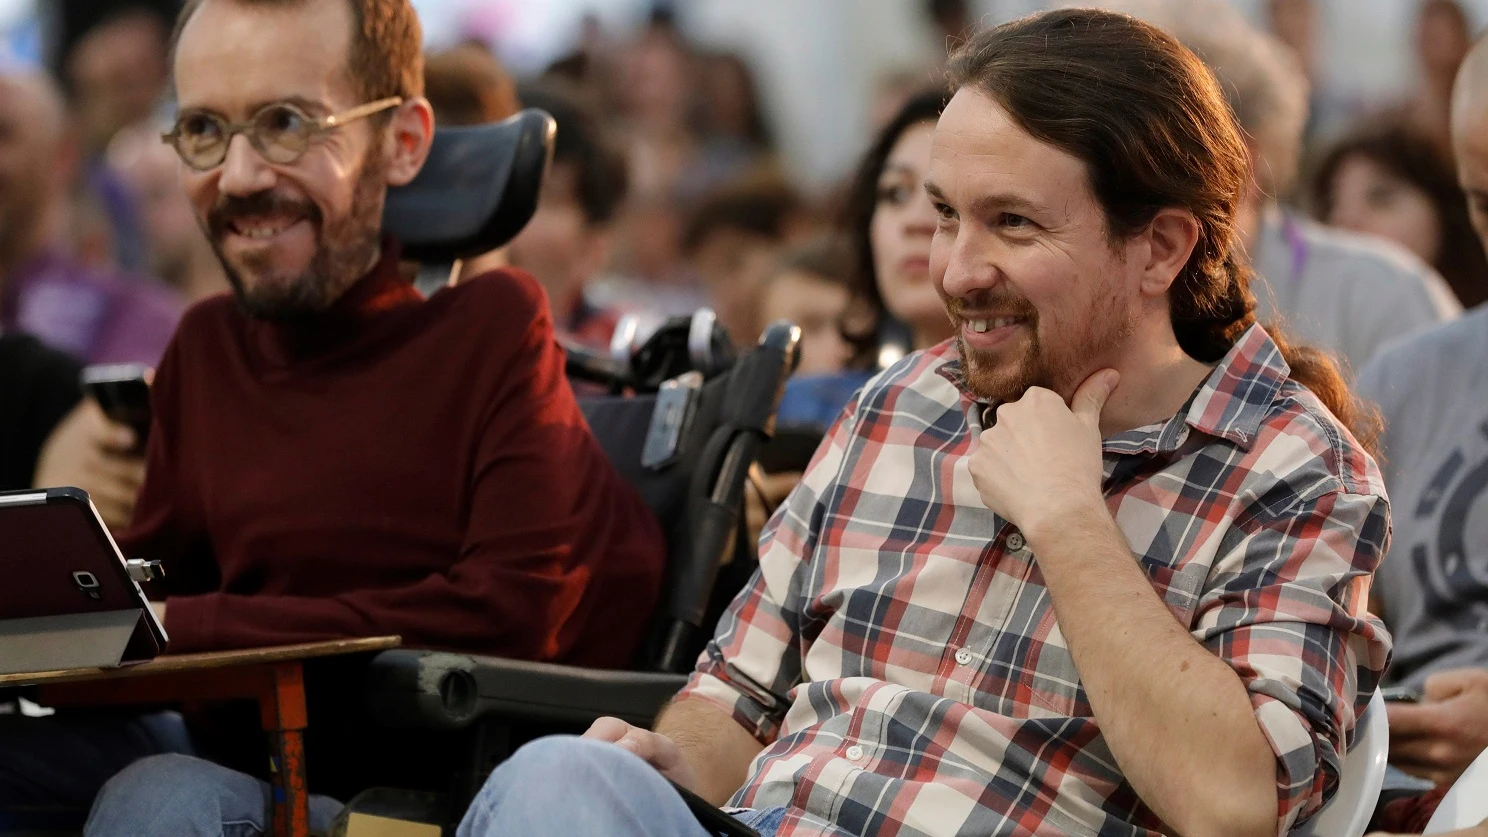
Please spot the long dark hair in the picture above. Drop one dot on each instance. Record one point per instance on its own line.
(1150, 122)
(864, 323)
(1421, 163)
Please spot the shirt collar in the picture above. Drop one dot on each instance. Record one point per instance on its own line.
(1230, 404)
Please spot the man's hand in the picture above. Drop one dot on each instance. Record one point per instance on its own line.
(159, 608)
(90, 452)
(1438, 738)
(1041, 461)
(657, 750)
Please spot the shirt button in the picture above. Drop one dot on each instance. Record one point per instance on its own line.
(854, 752)
(1015, 541)
(963, 657)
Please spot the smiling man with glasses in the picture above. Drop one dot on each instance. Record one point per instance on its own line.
(332, 454)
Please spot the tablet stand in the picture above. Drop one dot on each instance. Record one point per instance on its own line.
(105, 639)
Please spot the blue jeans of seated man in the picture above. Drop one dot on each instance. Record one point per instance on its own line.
(52, 767)
(561, 786)
(190, 797)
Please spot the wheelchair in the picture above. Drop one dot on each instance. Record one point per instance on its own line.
(683, 419)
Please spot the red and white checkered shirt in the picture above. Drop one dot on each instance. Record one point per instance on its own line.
(898, 652)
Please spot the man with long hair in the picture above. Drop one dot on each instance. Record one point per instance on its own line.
(1097, 564)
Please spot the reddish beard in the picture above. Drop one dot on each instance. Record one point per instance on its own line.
(1059, 363)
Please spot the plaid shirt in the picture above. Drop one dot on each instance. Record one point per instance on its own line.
(899, 656)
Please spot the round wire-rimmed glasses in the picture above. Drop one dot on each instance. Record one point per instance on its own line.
(281, 132)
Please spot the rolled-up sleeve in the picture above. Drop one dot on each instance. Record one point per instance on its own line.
(1286, 607)
(754, 660)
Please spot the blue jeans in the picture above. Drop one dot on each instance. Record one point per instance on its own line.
(52, 767)
(561, 786)
(189, 797)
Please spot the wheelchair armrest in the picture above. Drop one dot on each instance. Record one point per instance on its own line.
(442, 690)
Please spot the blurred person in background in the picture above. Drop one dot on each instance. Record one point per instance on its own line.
(1431, 588)
(1393, 183)
(467, 85)
(733, 134)
(655, 94)
(1295, 23)
(1345, 293)
(95, 315)
(893, 307)
(180, 253)
(1441, 38)
(732, 243)
(116, 75)
(567, 244)
(809, 288)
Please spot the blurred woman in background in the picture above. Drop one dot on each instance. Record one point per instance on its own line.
(1394, 183)
(888, 223)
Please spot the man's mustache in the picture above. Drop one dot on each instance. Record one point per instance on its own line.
(998, 303)
(229, 208)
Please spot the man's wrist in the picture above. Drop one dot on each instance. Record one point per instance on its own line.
(1078, 518)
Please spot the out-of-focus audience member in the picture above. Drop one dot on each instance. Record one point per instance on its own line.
(1295, 23)
(1394, 183)
(180, 253)
(1341, 292)
(734, 136)
(94, 315)
(1431, 588)
(733, 241)
(809, 288)
(466, 85)
(567, 243)
(116, 75)
(655, 98)
(1441, 39)
(889, 222)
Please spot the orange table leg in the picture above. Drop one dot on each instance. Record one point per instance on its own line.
(285, 718)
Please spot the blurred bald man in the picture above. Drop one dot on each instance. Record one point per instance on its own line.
(95, 315)
(1433, 586)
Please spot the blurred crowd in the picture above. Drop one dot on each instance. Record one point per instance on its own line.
(669, 192)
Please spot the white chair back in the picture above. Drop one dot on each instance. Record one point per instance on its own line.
(1347, 814)
(1466, 804)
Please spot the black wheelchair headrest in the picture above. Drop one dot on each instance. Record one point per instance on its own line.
(477, 190)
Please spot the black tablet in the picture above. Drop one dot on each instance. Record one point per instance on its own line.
(64, 576)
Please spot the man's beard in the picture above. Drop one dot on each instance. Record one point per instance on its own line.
(1060, 366)
(344, 249)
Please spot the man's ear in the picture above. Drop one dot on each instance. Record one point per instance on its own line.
(409, 137)
(1171, 238)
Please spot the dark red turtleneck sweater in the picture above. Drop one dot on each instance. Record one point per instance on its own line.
(396, 466)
